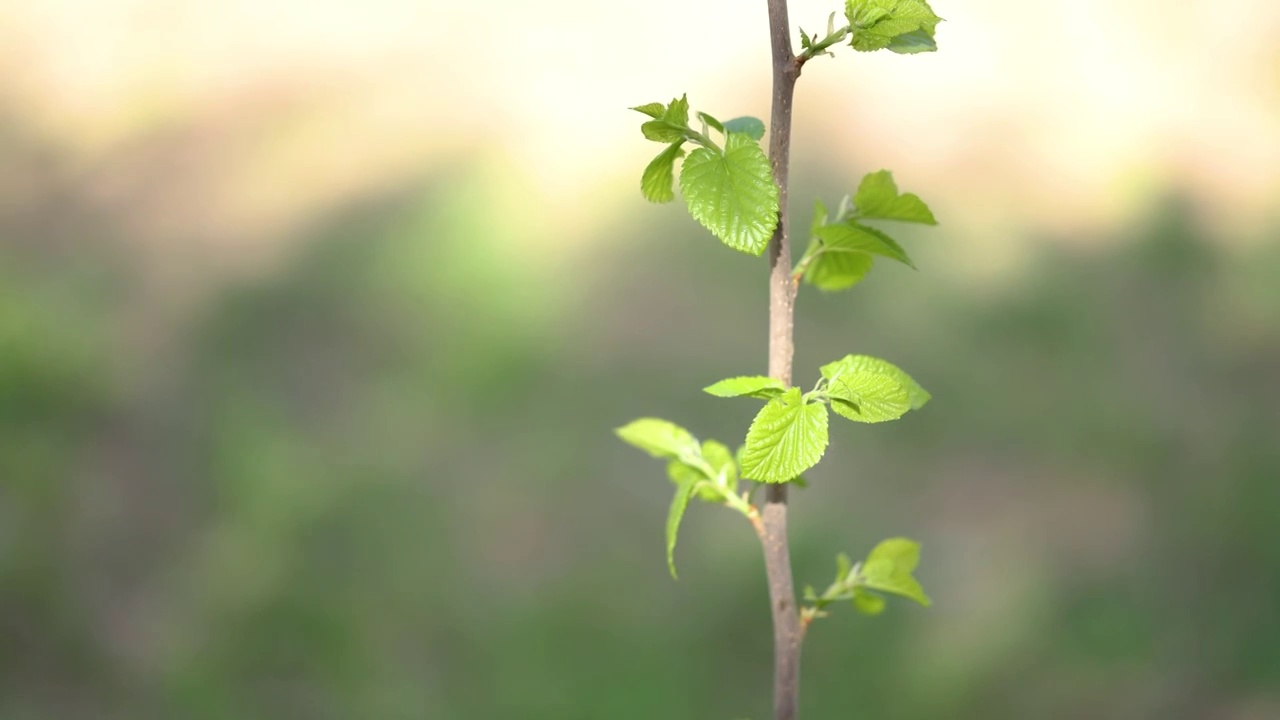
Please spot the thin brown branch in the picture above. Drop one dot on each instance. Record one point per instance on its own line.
(787, 632)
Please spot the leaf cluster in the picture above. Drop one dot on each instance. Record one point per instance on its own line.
(889, 567)
(900, 26)
(789, 434)
(729, 189)
(843, 249)
(707, 470)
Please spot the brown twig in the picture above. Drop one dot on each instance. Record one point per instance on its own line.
(787, 632)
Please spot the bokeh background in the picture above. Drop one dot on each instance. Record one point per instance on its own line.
(316, 317)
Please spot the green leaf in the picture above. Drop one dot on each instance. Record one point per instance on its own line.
(660, 438)
(917, 395)
(867, 603)
(732, 193)
(684, 472)
(663, 131)
(913, 42)
(653, 110)
(877, 24)
(756, 386)
(720, 458)
(852, 237)
(746, 124)
(678, 112)
(832, 272)
(656, 183)
(877, 197)
(843, 565)
(868, 397)
(787, 437)
(819, 217)
(712, 122)
(678, 505)
(889, 568)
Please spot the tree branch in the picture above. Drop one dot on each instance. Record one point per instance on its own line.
(787, 633)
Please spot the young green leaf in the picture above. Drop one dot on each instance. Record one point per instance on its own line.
(663, 131)
(876, 24)
(843, 565)
(833, 269)
(706, 118)
(653, 110)
(656, 183)
(819, 218)
(889, 568)
(680, 472)
(720, 458)
(732, 193)
(684, 489)
(913, 42)
(877, 197)
(867, 603)
(917, 395)
(746, 124)
(660, 438)
(852, 237)
(868, 397)
(756, 386)
(787, 437)
(678, 112)
(838, 271)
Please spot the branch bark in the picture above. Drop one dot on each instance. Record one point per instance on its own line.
(787, 632)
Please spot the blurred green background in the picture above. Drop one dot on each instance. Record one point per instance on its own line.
(312, 339)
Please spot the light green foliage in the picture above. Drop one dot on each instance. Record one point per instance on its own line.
(684, 489)
(680, 472)
(787, 437)
(732, 193)
(729, 190)
(714, 469)
(756, 386)
(889, 568)
(868, 603)
(841, 251)
(709, 120)
(849, 364)
(913, 42)
(855, 237)
(835, 268)
(678, 111)
(721, 461)
(902, 26)
(659, 176)
(746, 124)
(868, 397)
(660, 438)
(831, 268)
(670, 122)
(653, 110)
(708, 470)
(813, 46)
(662, 131)
(877, 197)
